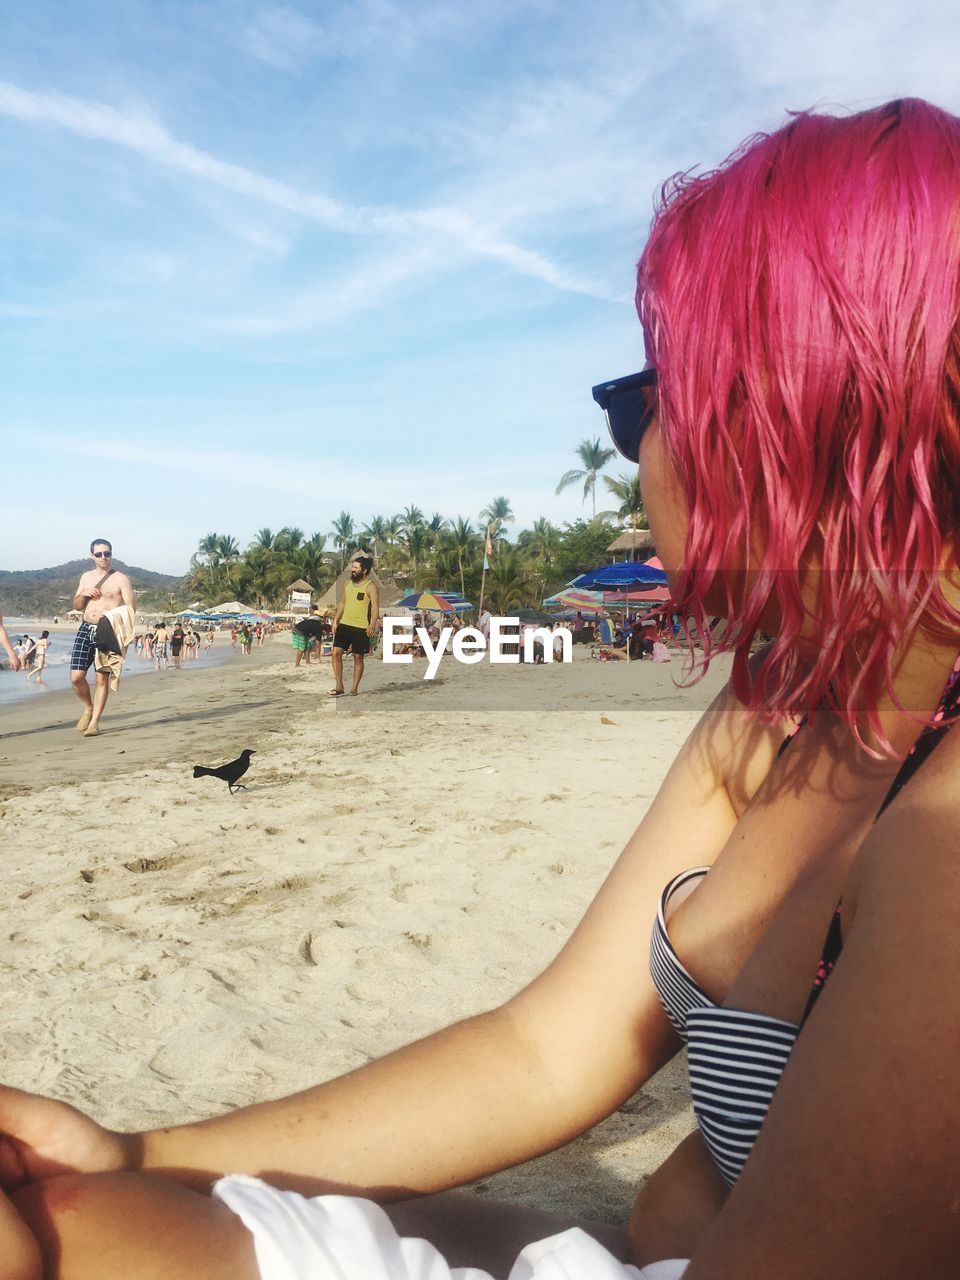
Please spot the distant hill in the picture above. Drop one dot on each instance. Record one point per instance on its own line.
(42, 593)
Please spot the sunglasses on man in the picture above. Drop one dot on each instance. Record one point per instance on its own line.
(103, 555)
(629, 409)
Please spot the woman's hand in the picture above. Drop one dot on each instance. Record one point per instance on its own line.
(40, 1138)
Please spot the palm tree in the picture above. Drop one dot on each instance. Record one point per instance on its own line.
(542, 540)
(310, 563)
(265, 539)
(208, 567)
(228, 549)
(343, 534)
(260, 563)
(375, 533)
(495, 515)
(510, 585)
(594, 459)
(542, 543)
(626, 489)
(288, 539)
(208, 549)
(461, 538)
(435, 526)
(417, 543)
(410, 518)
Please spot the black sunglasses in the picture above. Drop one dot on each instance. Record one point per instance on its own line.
(103, 555)
(627, 409)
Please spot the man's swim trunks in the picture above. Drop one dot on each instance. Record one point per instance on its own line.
(84, 647)
(352, 639)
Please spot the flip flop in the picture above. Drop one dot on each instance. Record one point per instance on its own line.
(336, 693)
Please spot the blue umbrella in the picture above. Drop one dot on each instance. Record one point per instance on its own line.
(626, 576)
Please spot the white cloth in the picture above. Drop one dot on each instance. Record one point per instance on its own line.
(345, 1238)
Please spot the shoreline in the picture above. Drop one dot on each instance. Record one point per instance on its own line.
(146, 715)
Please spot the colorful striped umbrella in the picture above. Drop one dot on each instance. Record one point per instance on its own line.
(655, 595)
(426, 601)
(571, 598)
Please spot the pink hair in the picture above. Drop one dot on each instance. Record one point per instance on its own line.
(801, 303)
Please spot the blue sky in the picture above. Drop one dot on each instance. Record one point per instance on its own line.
(264, 262)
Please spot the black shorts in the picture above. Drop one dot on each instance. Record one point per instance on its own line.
(352, 639)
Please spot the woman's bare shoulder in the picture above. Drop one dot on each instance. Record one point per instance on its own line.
(914, 847)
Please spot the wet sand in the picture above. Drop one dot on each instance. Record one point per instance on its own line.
(149, 717)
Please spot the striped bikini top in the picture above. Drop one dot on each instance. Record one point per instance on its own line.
(736, 1057)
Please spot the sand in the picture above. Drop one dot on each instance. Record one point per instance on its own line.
(400, 860)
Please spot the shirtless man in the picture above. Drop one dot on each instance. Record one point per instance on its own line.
(100, 589)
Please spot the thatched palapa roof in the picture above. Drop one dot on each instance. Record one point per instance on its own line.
(641, 539)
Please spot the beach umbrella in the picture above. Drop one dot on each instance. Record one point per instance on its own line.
(230, 608)
(459, 604)
(628, 576)
(655, 595)
(426, 601)
(581, 601)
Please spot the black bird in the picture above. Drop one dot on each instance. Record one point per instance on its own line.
(231, 773)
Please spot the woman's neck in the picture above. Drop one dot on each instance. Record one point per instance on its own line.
(921, 673)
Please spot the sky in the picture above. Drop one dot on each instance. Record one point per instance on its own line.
(262, 263)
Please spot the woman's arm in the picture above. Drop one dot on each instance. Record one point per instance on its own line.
(507, 1085)
(526, 1078)
(854, 1174)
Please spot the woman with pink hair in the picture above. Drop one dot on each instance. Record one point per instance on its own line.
(797, 430)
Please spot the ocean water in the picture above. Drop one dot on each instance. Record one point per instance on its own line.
(14, 686)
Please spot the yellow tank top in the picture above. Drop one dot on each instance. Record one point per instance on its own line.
(356, 609)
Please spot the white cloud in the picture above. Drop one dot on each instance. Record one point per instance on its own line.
(146, 136)
(264, 482)
(328, 302)
(282, 37)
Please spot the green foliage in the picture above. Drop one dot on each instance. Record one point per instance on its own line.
(511, 583)
(593, 458)
(442, 553)
(583, 546)
(496, 515)
(626, 490)
(42, 593)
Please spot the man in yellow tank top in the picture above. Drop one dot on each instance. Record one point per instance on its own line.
(358, 617)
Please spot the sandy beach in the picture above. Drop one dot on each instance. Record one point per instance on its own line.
(400, 860)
